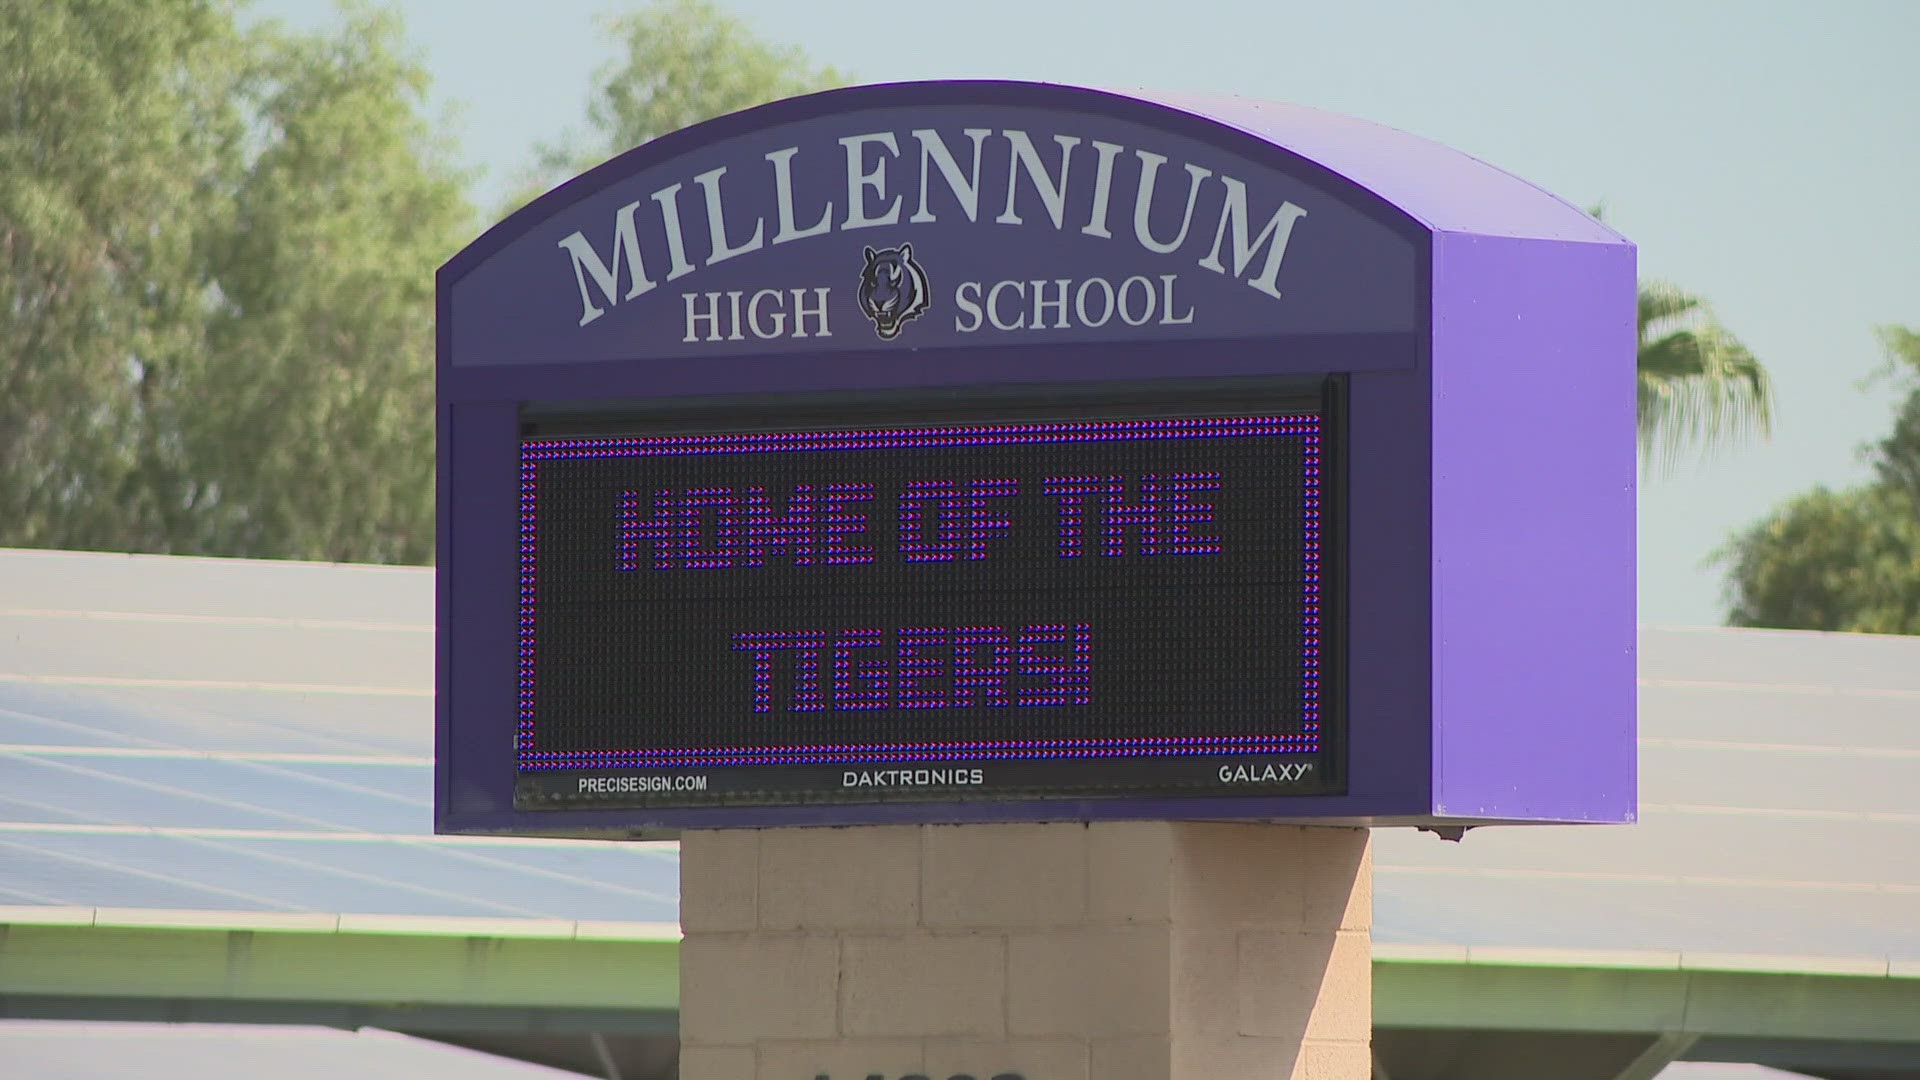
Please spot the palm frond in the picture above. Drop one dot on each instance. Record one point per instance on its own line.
(1699, 388)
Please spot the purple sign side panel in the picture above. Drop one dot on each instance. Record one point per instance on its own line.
(1533, 550)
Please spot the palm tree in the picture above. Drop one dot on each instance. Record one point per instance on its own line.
(1699, 388)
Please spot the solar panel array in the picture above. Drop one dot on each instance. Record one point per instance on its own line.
(1779, 815)
(213, 735)
(216, 735)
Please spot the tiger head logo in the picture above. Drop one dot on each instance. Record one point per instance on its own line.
(893, 290)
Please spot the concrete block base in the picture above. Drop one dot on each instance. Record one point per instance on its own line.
(1112, 951)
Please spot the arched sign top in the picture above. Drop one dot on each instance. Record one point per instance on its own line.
(1442, 189)
(980, 214)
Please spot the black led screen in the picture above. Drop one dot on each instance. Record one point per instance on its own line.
(980, 609)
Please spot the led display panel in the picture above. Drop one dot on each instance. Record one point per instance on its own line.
(1012, 609)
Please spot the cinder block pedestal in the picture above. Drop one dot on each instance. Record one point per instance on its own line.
(1116, 951)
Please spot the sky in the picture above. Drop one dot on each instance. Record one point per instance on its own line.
(1763, 153)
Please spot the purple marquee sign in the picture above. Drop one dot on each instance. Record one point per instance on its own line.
(996, 451)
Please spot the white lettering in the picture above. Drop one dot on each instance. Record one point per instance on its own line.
(733, 309)
(1041, 303)
(1279, 227)
(859, 180)
(933, 150)
(587, 262)
(1257, 256)
(955, 777)
(1265, 773)
(766, 314)
(783, 198)
(1166, 303)
(720, 250)
(967, 299)
(627, 785)
(1053, 196)
(1143, 202)
(1126, 290)
(779, 315)
(1064, 303)
(669, 200)
(1102, 190)
(993, 305)
(1080, 302)
(818, 312)
(711, 316)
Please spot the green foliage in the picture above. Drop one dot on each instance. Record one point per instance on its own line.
(115, 137)
(687, 61)
(678, 62)
(1848, 560)
(217, 249)
(327, 264)
(1698, 387)
(1897, 457)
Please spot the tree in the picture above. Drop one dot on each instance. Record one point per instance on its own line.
(115, 134)
(217, 246)
(1698, 387)
(1846, 560)
(326, 443)
(678, 62)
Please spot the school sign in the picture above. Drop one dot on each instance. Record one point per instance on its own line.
(999, 451)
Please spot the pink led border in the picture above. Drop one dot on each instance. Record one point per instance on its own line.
(532, 453)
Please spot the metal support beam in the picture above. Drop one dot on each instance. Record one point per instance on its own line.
(445, 1022)
(1659, 1054)
(606, 1057)
(627, 988)
(1506, 1055)
(339, 969)
(1715, 1004)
